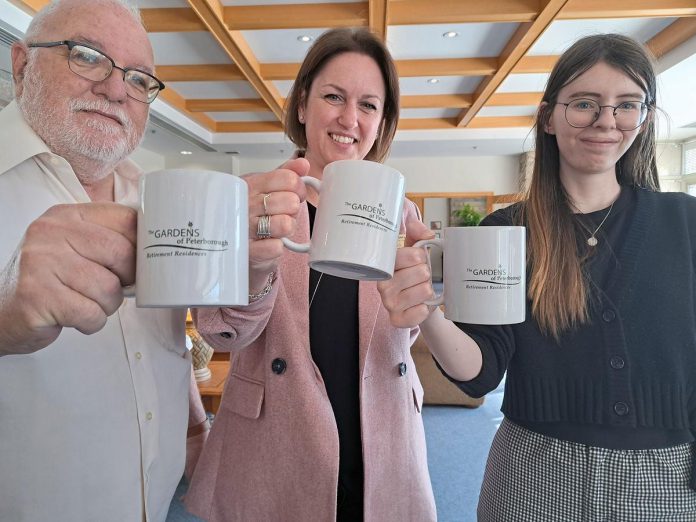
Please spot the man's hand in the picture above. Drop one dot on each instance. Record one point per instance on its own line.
(68, 271)
(404, 295)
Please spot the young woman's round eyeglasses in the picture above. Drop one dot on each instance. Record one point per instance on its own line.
(628, 115)
(94, 65)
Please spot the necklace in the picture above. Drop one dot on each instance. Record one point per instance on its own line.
(592, 240)
(315, 290)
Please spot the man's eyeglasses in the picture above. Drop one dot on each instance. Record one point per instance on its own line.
(581, 113)
(94, 65)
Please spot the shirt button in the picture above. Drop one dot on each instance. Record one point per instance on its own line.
(226, 335)
(621, 409)
(608, 315)
(148, 415)
(617, 362)
(138, 355)
(402, 369)
(278, 366)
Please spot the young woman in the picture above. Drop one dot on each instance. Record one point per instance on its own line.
(320, 419)
(600, 394)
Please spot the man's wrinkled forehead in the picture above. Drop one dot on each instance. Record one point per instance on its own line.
(106, 26)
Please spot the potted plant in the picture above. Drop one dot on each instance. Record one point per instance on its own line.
(467, 216)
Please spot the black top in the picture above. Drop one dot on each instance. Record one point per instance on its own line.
(627, 379)
(333, 338)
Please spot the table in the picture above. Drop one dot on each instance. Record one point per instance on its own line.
(211, 389)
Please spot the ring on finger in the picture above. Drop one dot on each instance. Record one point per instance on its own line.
(263, 228)
(265, 208)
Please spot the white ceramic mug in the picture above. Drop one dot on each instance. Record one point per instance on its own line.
(484, 276)
(356, 227)
(193, 240)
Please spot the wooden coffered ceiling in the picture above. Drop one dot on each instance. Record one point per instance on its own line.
(504, 43)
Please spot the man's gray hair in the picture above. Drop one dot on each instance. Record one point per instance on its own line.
(43, 18)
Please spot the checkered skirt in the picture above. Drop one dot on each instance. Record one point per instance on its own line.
(534, 478)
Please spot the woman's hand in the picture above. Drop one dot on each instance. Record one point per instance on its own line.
(404, 295)
(276, 194)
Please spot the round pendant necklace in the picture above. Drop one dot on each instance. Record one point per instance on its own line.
(592, 240)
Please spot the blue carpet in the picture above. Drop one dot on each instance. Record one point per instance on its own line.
(458, 441)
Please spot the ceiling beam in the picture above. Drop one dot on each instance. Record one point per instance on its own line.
(211, 13)
(378, 15)
(199, 73)
(178, 102)
(577, 9)
(437, 101)
(672, 36)
(516, 48)
(507, 99)
(248, 126)
(227, 105)
(402, 12)
(30, 6)
(406, 68)
(292, 16)
(405, 124)
(171, 19)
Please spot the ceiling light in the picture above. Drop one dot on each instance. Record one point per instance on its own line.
(186, 152)
(434, 80)
(450, 34)
(304, 38)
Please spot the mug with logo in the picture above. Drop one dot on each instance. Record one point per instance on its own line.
(356, 227)
(193, 247)
(484, 276)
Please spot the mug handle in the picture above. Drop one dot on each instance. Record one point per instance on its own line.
(425, 243)
(288, 243)
(128, 291)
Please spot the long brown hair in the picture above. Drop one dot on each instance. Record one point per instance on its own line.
(558, 287)
(330, 44)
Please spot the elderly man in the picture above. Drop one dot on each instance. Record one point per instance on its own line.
(93, 392)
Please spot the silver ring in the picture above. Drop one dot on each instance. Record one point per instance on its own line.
(265, 208)
(263, 228)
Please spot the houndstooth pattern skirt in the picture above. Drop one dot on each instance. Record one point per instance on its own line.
(534, 478)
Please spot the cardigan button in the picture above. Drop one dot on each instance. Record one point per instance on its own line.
(621, 408)
(608, 315)
(402, 369)
(278, 366)
(617, 362)
(226, 335)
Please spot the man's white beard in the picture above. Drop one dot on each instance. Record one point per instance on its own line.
(56, 125)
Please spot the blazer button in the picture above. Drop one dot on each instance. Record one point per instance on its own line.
(617, 362)
(621, 409)
(226, 335)
(402, 369)
(608, 316)
(278, 366)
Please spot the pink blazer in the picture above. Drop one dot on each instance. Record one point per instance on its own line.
(272, 454)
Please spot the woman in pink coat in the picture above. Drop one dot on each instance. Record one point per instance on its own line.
(321, 416)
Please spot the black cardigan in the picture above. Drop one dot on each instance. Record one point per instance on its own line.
(634, 365)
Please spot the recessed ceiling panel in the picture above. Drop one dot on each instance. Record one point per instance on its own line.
(412, 42)
(429, 113)
(524, 83)
(187, 48)
(445, 85)
(512, 110)
(561, 34)
(214, 90)
(280, 45)
(242, 116)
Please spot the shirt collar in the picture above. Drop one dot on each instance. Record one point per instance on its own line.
(19, 141)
